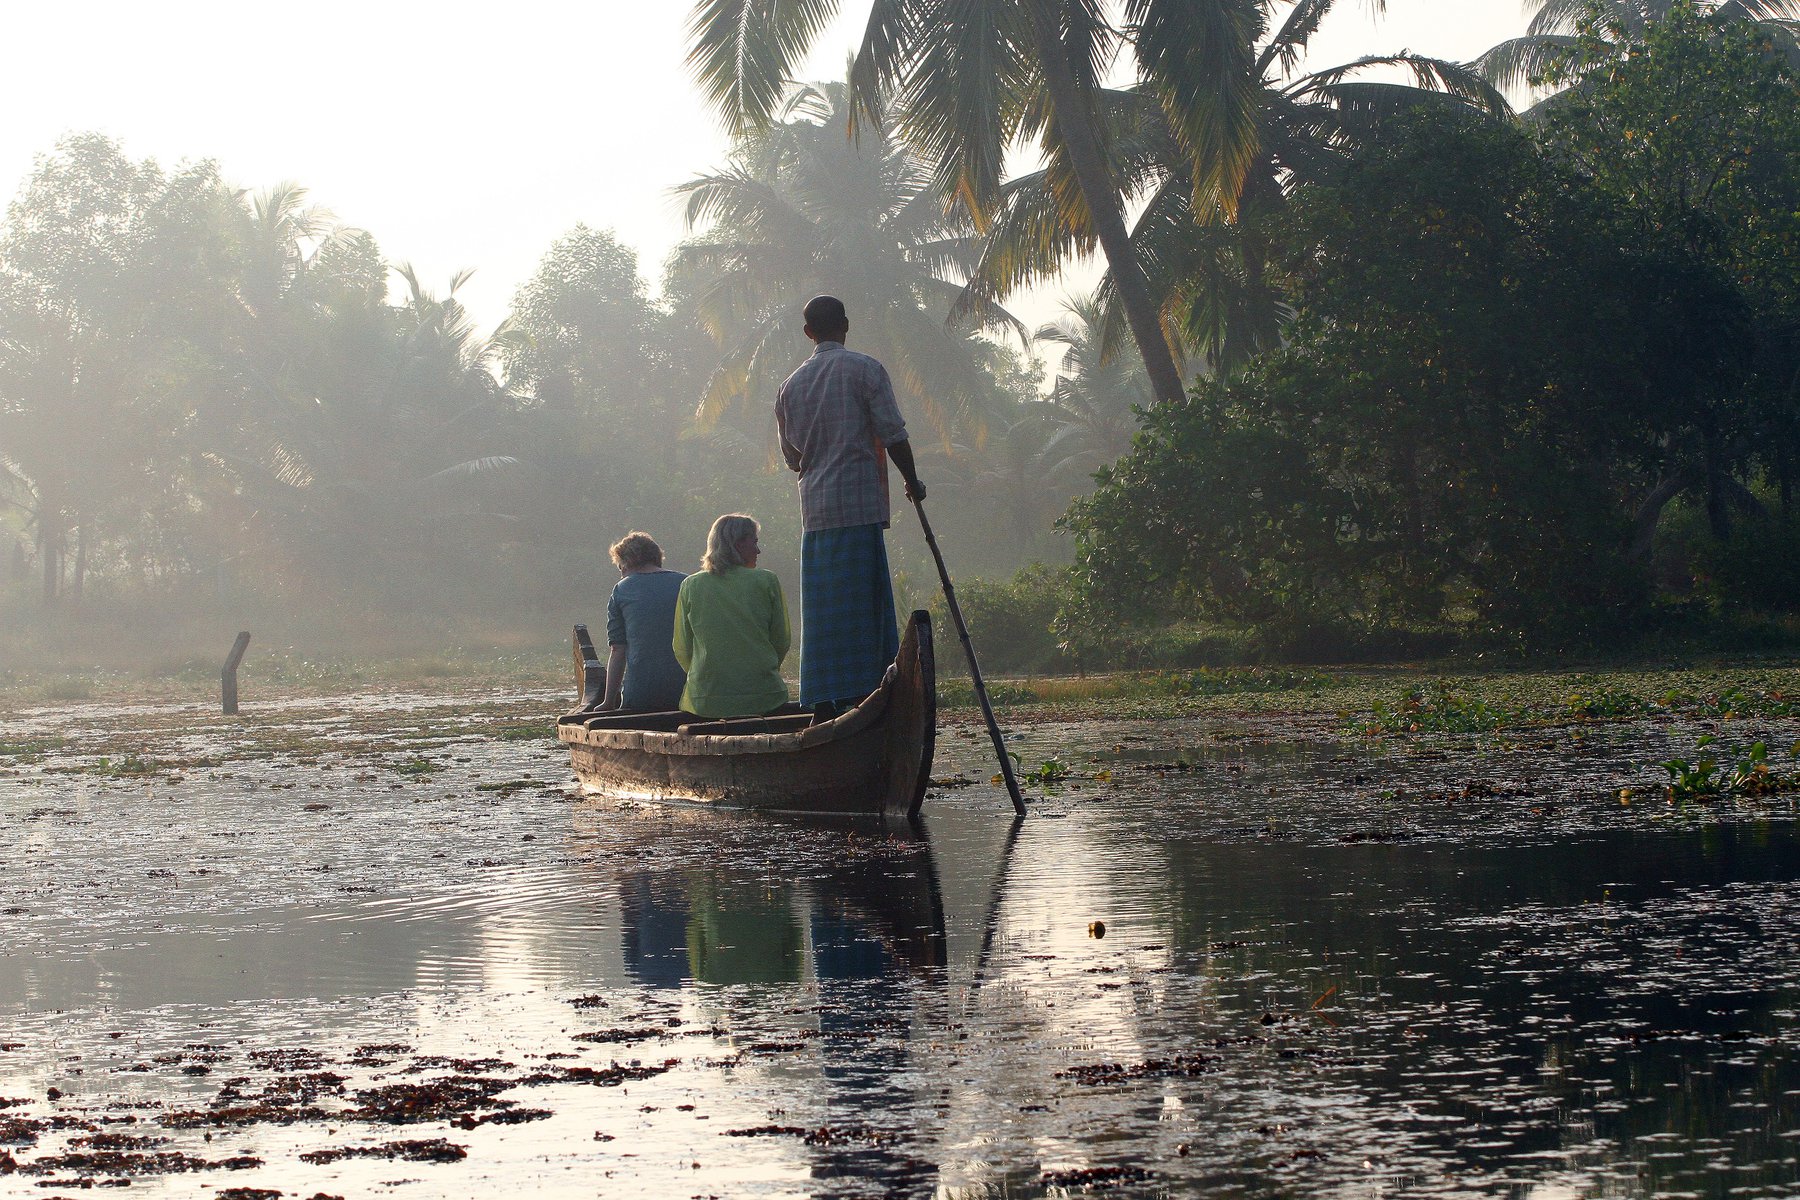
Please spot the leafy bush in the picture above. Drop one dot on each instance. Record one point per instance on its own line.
(1757, 567)
(1224, 681)
(960, 693)
(1010, 622)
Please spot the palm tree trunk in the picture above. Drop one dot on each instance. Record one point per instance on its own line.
(50, 551)
(81, 553)
(1718, 512)
(1075, 126)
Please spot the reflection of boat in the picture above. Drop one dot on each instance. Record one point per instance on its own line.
(876, 758)
(832, 961)
(856, 916)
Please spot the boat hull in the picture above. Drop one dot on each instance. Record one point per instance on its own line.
(876, 758)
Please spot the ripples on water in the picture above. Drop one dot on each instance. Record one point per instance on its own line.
(1368, 974)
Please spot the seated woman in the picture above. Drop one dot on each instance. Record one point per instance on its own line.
(641, 672)
(731, 627)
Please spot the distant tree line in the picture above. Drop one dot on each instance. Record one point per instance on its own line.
(215, 397)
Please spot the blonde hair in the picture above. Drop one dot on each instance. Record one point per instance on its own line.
(722, 542)
(636, 549)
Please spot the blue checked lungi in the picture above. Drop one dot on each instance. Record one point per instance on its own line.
(849, 635)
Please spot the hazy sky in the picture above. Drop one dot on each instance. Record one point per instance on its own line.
(461, 135)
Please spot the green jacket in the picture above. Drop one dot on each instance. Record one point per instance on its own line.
(731, 633)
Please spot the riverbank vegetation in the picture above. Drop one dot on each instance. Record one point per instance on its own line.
(1460, 382)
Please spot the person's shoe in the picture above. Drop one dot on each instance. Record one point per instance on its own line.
(828, 711)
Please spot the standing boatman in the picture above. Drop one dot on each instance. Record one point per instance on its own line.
(839, 425)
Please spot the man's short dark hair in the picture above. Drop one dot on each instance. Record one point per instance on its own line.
(825, 314)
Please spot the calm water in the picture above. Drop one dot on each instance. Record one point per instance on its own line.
(1378, 972)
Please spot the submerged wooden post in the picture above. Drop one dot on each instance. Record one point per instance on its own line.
(228, 676)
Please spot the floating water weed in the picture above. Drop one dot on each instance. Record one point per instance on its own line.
(418, 767)
(1439, 711)
(1707, 778)
(1048, 773)
(1222, 681)
(960, 693)
(131, 766)
(1606, 703)
(1700, 779)
(524, 733)
(31, 750)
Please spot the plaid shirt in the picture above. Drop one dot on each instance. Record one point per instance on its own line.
(837, 414)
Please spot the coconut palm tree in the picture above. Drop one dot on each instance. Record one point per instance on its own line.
(1031, 470)
(388, 415)
(1096, 395)
(1206, 263)
(283, 239)
(801, 210)
(1555, 32)
(967, 81)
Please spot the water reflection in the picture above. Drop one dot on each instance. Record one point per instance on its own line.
(863, 1010)
(850, 920)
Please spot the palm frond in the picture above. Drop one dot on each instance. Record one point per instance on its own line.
(1758, 10)
(1028, 238)
(1200, 59)
(956, 108)
(1566, 16)
(1091, 41)
(744, 364)
(743, 52)
(740, 200)
(1522, 61)
(474, 466)
(1429, 75)
(876, 68)
(1284, 51)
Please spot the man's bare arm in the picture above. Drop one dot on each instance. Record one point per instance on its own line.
(901, 453)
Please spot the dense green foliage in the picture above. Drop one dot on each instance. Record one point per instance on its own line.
(1512, 349)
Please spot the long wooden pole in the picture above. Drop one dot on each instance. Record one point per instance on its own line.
(962, 631)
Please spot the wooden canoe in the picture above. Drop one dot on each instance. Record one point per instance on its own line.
(875, 758)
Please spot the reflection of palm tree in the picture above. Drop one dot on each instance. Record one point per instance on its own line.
(1555, 32)
(803, 210)
(1203, 249)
